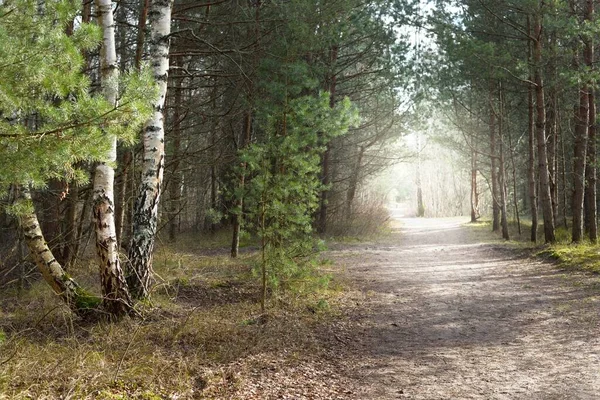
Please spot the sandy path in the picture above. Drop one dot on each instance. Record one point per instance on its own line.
(444, 316)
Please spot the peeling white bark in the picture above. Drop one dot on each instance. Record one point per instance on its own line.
(51, 269)
(145, 217)
(116, 296)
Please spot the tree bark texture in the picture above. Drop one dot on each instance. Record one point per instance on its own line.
(145, 215)
(591, 175)
(581, 142)
(494, 168)
(540, 127)
(591, 226)
(116, 298)
(552, 129)
(502, 168)
(353, 184)
(563, 173)
(239, 204)
(531, 149)
(53, 273)
(514, 183)
(176, 173)
(326, 157)
(474, 191)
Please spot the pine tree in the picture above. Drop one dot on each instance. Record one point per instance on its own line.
(51, 122)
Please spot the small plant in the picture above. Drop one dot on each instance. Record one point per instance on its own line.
(322, 305)
(562, 235)
(283, 183)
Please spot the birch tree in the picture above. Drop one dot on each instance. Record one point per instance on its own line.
(116, 297)
(145, 217)
(63, 285)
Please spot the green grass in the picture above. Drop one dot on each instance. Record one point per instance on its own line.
(219, 240)
(583, 256)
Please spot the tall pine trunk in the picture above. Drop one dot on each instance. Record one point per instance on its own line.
(420, 204)
(239, 204)
(563, 174)
(494, 167)
(502, 168)
(145, 215)
(353, 184)
(540, 128)
(474, 192)
(552, 128)
(514, 183)
(246, 139)
(581, 112)
(581, 132)
(326, 157)
(590, 170)
(591, 175)
(531, 150)
(116, 298)
(176, 174)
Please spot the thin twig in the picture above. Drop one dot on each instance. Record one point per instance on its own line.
(126, 350)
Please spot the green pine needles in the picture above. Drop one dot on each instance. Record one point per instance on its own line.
(49, 118)
(283, 183)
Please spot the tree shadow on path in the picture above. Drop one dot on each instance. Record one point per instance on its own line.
(445, 315)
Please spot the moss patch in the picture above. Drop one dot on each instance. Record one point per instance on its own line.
(584, 257)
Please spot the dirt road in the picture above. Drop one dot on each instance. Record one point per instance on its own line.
(443, 315)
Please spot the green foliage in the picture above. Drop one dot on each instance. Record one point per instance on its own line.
(283, 180)
(49, 119)
(214, 216)
(575, 256)
(18, 208)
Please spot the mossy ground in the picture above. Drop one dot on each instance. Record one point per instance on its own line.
(583, 256)
(203, 317)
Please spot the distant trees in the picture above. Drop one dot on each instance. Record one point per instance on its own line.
(527, 66)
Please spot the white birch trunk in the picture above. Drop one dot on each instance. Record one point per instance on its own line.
(115, 293)
(51, 270)
(145, 216)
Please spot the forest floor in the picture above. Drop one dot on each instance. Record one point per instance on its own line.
(438, 309)
(452, 312)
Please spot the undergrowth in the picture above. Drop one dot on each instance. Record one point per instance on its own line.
(368, 221)
(203, 318)
(584, 256)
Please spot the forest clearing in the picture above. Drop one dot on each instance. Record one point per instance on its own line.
(308, 199)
